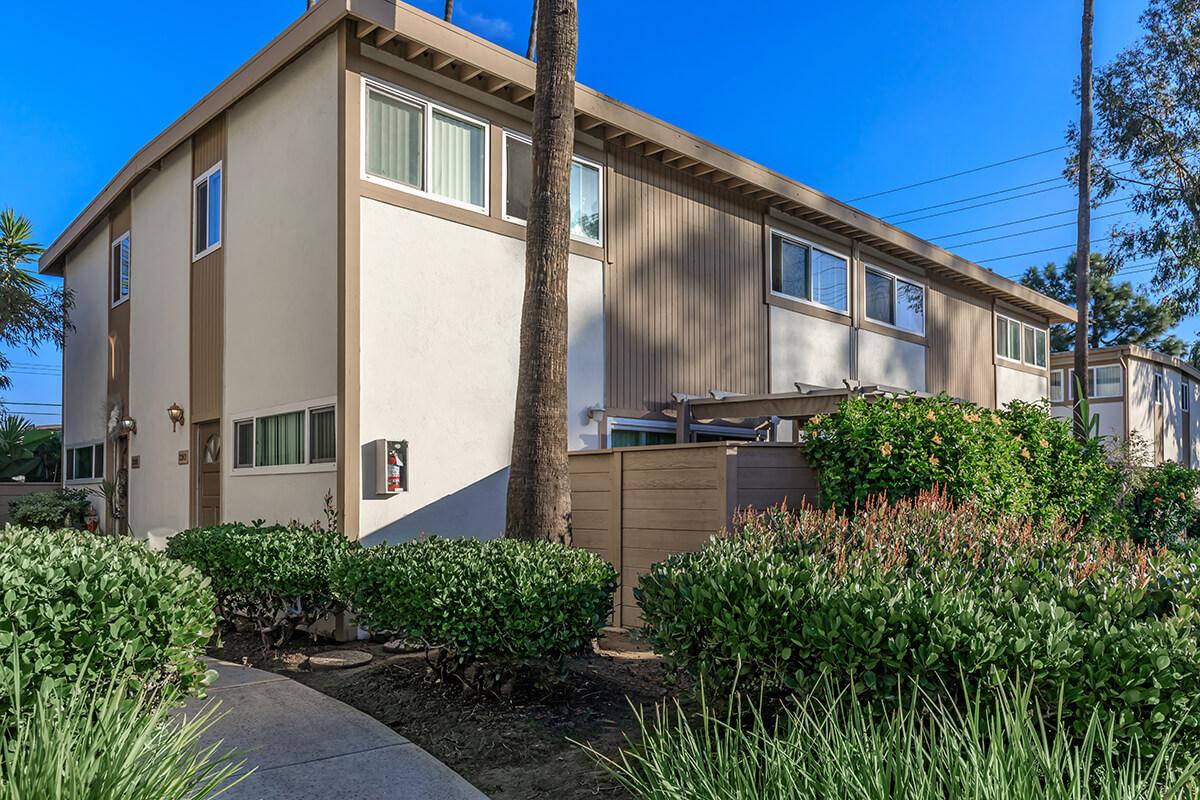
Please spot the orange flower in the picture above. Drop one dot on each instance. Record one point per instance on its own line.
(995, 420)
(1183, 496)
(817, 419)
(937, 438)
(1024, 452)
(1157, 499)
(930, 416)
(933, 460)
(1043, 443)
(886, 449)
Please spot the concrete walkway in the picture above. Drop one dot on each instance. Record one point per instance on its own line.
(307, 745)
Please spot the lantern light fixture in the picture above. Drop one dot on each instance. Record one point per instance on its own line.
(175, 413)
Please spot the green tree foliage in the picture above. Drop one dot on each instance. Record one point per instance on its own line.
(29, 451)
(31, 311)
(1148, 145)
(1119, 314)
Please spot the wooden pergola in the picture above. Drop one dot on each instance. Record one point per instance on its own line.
(771, 409)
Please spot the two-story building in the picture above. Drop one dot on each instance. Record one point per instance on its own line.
(318, 270)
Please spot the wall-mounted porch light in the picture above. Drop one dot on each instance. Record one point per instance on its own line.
(175, 413)
(128, 425)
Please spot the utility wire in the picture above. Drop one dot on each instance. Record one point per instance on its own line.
(981, 205)
(972, 197)
(1033, 230)
(959, 174)
(21, 403)
(1019, 221)
(1035, 252)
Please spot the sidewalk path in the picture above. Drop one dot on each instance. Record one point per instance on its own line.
(307, 745)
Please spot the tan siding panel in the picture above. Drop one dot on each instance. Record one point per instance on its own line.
(208, 291)
(959, 355)
(683, 294)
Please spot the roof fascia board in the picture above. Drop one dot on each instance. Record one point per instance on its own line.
(294, 39)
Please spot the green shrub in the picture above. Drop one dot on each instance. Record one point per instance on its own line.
(938, 593)
(108, 741)
(277, 577)
(836, 747)
(1017, 460)
(61, 508)
(494, 600)
(1163, 506)
(67, 597)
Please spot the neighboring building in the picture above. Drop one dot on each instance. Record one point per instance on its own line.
(327, 251)
(1135, 391)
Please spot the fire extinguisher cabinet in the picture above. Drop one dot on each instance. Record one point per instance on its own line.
(391, 466)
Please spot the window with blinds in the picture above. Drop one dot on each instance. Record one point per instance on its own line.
(585, 189)
(417, 145)
(290, 438)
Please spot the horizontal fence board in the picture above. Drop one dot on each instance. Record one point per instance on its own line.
(671, 479)
(681, 458)
(591, 482)
(596, 520)
(761, 499)
(591, 501)
(776, 478)
(674, 541)
(585, 462)
(707, 499)
(770, 456)
(673, 519)
(592, 539)
(639, 558)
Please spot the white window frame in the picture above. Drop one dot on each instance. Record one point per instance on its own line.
(305, 464)
(1159, 387)
(1069, 382)
(896, 278)
(69, 452)
(812, 246)
(1185, 395)
(1062, 385)
(212, 248)
(1045, 335)
(114, 266)
(520, 137)
(428, 107)
(657, 426)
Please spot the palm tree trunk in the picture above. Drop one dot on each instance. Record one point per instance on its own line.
(1083, 246)
(531, 48)
(449, 10)
(539, 489)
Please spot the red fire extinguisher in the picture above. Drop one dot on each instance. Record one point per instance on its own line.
(394, 466)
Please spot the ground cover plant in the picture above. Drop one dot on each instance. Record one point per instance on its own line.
(107, 739)
(499, 601)
(936, 593)
(834, 746)
(275, 577)
(68, 597)
(1016, 460)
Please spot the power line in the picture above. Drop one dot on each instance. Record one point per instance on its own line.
(981, 205)
(1032, 230)
(1035, 252)
(1019, 221)
(973, 197)
(24, 403)
(959, 174)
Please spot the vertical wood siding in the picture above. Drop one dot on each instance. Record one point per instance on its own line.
(118, 317)
(683, 292)
(959, 356)
(208, 290)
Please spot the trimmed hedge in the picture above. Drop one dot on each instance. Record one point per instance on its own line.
(1018, 460)
(60, 508)
(277, 577)
(495, 600)
(68, 597)
(941, 594)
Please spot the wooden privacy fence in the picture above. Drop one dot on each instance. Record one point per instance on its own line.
(637, 505)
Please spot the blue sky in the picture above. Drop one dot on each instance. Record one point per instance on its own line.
(850, 98)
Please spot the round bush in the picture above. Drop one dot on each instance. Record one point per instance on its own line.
(69, 597)
(276, 576)
(940, 594)
(54, 510)
(1018, 460)
(493, 600)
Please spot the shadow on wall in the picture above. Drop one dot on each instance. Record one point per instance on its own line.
(476, 511)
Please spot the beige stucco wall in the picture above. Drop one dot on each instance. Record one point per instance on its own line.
(440, 321)
(158, 345)
(1111, 414)
(280, 247)
(1140, 382)
(807, 349)
(85, 354)
(888, 361)
(1015, 384)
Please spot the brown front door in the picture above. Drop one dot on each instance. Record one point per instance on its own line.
(206, 458)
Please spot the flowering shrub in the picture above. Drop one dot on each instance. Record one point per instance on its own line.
(1017, 460)
(941, 593)
(1163, 505)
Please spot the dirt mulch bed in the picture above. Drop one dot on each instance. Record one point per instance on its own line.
(508, 749)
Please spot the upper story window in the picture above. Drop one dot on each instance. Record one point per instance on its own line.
(1018, 341)
(1056, 386)
(803, 271)
(84, 462)
(586, 198)
(1158, 388)
(1104, 381)
(416, 145)
(206, 212)
(120, 269)
(894, 301)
